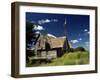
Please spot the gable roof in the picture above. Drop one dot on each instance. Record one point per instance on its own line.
(52, 42)
(57, 42)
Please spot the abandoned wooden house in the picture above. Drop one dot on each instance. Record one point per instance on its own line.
(50, 46)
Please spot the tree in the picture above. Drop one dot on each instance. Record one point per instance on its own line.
(31, 35)
(31, 39)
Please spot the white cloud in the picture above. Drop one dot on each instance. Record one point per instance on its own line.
(88, 32)
(87, 43)
(80, 39)
(37, 32)
(47, 21)
(38, 27)
(44, 21)
(41, 22)
(55, 20)
(85, 30)
(74, 41)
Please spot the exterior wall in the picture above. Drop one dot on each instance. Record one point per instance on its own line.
(52, 54)
(59, 52)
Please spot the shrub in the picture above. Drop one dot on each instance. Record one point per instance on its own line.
(29, 53)
(80, 49)
(71, 50)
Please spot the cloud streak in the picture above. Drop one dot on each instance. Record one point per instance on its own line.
(85, 30)
(87, 43)
(87, 33)
(74, 41)
(43, 21)
(38, 27)
(80, 39)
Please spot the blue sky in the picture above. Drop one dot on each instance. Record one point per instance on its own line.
(77, 26)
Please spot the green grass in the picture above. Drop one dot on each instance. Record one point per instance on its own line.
(72, 58)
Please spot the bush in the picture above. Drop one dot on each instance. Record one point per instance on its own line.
(80, 49)
(71, 50)
(29, 53)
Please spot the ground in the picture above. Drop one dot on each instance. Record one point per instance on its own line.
(71, 58)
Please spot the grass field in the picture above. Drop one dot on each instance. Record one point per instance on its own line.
(71, 58)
